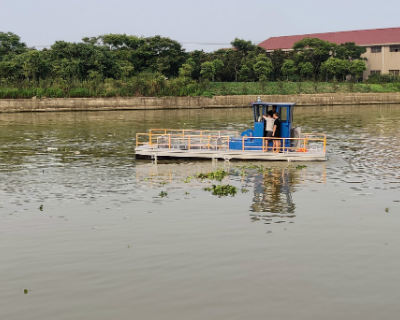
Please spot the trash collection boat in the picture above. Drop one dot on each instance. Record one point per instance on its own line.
(251, 144)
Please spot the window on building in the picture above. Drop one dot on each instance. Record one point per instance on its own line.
(394, 72)
(375, 72)
(376, 49)
(394, 48)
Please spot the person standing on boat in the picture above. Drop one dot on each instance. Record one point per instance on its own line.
(269, 126)
(276, 133)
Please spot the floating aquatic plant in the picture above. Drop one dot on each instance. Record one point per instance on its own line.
(188, 179)
(301, 166)
(222, 190)
(41, 207)
(218, 175)
(163, 194)
(258, 168)
(244, 190)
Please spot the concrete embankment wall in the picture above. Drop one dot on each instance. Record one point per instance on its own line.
(139, 103)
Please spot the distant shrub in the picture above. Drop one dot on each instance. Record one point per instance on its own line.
(79, 93)
(383, 78)
(207, 94)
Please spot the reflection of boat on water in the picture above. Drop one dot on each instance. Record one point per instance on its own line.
(273, 191)
(248, 145)
(272, 187)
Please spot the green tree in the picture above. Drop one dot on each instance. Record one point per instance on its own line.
(245, 73)
(196, 58)
(95, 76)
(333, 66)
(232, 60)
(66, 69)
(207, 70)
(186, 71)
(218, 64)
(306, 69)
(243, 46)
(34, 64)
(263, 67)
(278, 57)
(126, 69)
(10, 69)
(357, 67)
(315, 51)
(289, 68)
(10, 44)
(349, 51)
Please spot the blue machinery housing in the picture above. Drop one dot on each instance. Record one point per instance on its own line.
(285, 112)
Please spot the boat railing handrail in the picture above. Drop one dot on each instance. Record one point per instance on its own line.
(304, 143)
(152, 139)
(215, 132)
(188, 141)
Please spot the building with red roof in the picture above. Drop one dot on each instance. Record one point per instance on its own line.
(383, 46)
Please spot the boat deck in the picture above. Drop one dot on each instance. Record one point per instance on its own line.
(147, 152)
(227, 145)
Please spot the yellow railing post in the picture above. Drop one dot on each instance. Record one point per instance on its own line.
(169, 141)
(243, 143)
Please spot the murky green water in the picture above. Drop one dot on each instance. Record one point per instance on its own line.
(315, 243)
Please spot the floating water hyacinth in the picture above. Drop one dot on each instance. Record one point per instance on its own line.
(163, 194)
(218, 175)
(222, 190)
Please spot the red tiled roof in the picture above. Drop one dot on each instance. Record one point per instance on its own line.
(360, 37)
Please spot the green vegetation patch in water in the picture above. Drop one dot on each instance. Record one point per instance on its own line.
(258, 168)
(218, 175)
(222, 190)
(163, 194)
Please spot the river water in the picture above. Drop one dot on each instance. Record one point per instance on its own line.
(85, 234)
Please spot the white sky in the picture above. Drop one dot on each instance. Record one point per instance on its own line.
(42, 22)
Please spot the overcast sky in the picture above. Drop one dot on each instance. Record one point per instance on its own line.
(195, 24)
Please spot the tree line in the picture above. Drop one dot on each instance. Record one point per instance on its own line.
(118, 56)
(121, 65)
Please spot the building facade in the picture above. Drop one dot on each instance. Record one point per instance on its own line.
(382, 45)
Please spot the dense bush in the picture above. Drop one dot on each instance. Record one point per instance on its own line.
(383, 78)
(148, 87)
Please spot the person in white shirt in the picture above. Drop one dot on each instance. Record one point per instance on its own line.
(269, 125)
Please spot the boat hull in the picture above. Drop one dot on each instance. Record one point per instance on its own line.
(145, 152)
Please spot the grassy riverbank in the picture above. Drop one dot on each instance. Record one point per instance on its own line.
(116, 88)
